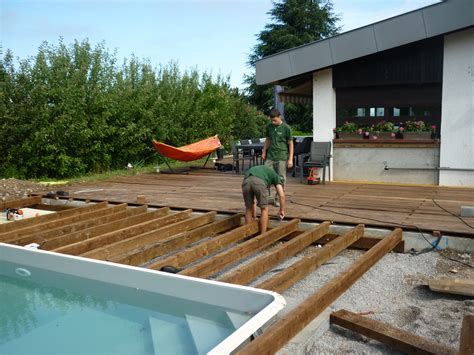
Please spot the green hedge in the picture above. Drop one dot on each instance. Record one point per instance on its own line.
(72, 110)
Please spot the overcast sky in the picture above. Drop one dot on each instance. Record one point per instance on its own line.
(211, 35)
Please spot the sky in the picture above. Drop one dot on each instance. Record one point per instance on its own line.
(215, 36)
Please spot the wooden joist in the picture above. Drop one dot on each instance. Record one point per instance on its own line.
(28, 222)
(463, 287)
(133, 216)
(129, 231)
(41, 236)
(15, 234)
(288, 277)
(208, 247)
(466, 343)
(22, 202)
(277, 335)
(396, 338)
(138, 241)
(364, 243)
(148, 252)
(216, 263)
(257, 267)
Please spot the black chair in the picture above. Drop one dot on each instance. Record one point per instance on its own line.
(301, 150)
(257, 153)
(238, 156)
(319, 157)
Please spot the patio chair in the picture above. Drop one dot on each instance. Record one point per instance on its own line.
(257, 152)
(301, 150)
(238, 156)
(319, 157)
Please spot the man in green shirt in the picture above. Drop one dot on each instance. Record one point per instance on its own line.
(255, 187)
(278, 148)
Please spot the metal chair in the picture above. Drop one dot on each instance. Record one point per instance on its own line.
(257, 152)
(319, 157)
(302, 149)
(239, 156)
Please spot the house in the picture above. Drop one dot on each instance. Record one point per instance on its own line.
(416, 66)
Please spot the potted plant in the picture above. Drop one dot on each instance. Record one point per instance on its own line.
(349, 130)
(384, 130)
(416, 130)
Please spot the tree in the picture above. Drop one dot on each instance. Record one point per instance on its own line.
(294, 22)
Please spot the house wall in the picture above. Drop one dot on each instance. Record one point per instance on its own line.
(324, 107)
(457, 113)
(407, 165)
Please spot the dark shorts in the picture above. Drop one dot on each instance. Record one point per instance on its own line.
(253, 189)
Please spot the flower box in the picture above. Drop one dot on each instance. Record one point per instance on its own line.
(385, 135)
(417, 135)
(349, 135)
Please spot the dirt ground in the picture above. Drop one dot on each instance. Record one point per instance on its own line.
(13, 189)
(393, 291)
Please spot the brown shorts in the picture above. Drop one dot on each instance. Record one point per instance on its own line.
(255, 188)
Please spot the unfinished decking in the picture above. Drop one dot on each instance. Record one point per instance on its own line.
(372, 204)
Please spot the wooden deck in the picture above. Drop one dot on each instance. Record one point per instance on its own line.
(412, 207)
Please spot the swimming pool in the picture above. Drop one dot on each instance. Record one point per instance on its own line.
(57, 304)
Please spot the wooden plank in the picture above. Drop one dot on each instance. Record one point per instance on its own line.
(466, 343)
(149, 252)
(277, 335)
(395, 338)
(210, 266)
(123, 246)
(198, 251)
(133, 216)
(118, 235)
(11, 236)
(364, 243)
(288, 277)
(50, 217)
(257, 267)
(41, 236)
(23, 202)
(463, 287)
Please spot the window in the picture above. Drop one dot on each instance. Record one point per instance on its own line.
(377, 112)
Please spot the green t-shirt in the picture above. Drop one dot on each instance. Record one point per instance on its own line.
(265, 173)
(279, 137)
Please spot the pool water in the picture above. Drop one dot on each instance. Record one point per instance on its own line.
(46, 312)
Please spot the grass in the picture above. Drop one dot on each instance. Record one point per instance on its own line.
(136, 169)
(295, 132)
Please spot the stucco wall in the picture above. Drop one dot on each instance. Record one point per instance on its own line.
(367, 164)
(457, 115)
(324, 107)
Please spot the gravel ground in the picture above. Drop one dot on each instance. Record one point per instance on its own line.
(13, 189)
(393, 292)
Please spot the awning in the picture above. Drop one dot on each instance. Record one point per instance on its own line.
(301, 94)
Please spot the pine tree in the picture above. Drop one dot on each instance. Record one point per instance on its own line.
(294, 22)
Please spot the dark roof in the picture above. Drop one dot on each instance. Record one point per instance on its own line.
(434, 20)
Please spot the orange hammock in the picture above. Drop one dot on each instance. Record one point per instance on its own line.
(188, 152)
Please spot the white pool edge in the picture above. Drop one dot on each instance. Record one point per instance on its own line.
(229, 344)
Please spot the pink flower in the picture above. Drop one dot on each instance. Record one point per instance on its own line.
(375, 137)
(402, 129)
(366, 133)
(392, 134)
(433, 126)
(359, 131)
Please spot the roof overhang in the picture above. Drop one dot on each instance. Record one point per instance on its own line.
(434, 20)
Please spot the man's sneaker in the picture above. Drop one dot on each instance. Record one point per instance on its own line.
(276, 201)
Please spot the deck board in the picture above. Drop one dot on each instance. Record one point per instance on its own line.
(352, 203)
